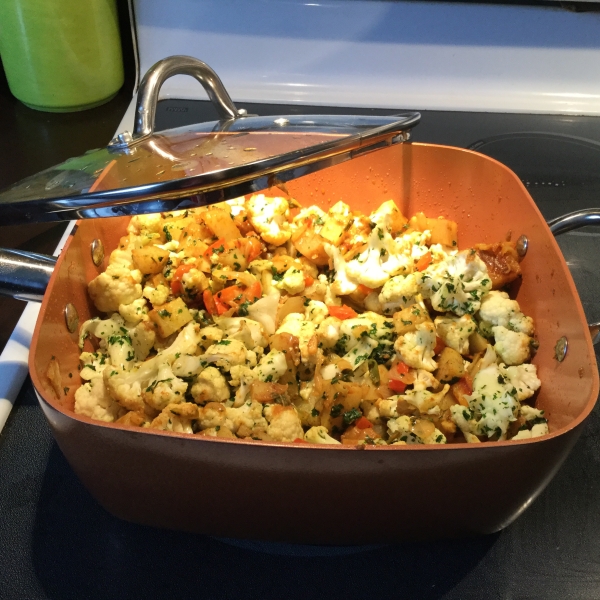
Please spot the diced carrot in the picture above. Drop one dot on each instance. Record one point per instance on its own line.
(342, 312)
(402, 368)
(364, 290)
(396, 386)
(215, 246)
(423, 262)
(308, 281)
(176, 285)
(363, 423)
(300, 441)
(209, 302)
(253, 247)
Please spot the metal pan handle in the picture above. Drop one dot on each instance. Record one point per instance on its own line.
(575, 220)
(147, 97)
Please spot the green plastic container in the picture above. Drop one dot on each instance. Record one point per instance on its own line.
(61, 55)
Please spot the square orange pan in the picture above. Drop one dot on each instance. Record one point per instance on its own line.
(317, 494)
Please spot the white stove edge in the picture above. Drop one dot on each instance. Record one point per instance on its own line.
(373, 53)
(15, 356)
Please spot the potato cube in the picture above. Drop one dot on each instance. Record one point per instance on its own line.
(450, 366)
(443, 231)
(219, 221)
(170, 317)
(150, 259)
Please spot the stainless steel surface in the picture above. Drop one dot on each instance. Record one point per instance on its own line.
(574, 220)
(24, 275)
(522, 245)
(560, 350)
(150, 85)
(71, 318)
(97, 250)
(595, 332)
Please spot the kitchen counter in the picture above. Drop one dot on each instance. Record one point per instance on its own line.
(57, 542)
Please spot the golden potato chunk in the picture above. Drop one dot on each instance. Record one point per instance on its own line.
(170, 317)
(219, 221)
(150, 259)
(502, 262)
(450, 366)
(408, 318)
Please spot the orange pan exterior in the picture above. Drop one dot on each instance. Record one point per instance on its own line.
(326, 494)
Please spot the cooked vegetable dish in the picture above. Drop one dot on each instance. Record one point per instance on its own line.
(262, 320)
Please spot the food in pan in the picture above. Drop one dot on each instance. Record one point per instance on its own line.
(255, 320)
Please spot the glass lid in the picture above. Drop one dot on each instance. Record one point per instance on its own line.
(196, 165)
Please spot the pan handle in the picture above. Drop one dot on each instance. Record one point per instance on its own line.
(25, 275)
(147, 97)
(575, 220)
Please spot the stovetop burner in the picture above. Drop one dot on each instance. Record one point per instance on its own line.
(556, 157)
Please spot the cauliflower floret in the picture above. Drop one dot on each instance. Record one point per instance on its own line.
(416, 347)
(114, 287)
(176, 417)
(143, 337)
(135, 312)
(92, 364)
(292, 281)
(498, 309)
(388, 408)
(530, 414)
(152, 223)
(227, 353)
(343, 283)
(424, 380)
(165, 389)
(295, 324)
(269, 217)
(272, 366)
(210, 335)
(284, 423)
(194, 283)
(126, 386)
(158, 295)
(93, 400)
(456, 284)
(316, 311)
(399, 292)
(523, 378)
(212, 414)
(210, 386)
(188, 365)
(512, 347)
(492, 406)
(402, 429)
(328, 332)
(537, 430)
(248, 415)
(455, 332)
(241, 377)
(248, 331)
(319, 435)
(427, 402)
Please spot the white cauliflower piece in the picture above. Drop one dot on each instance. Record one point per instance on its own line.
(114, 287)
(343, 283)
(295, 324)
(251, 333)
(157, 295)
(194, 283)
(402, 429)
(319, 435)
(427, 402)
(455, 331)
(498, 309)
(269, 216)
(176, 417)
(92, 364)
(264, 311)
(166, 388)
(292, 281)
(512, 347)
(210, 386)
(328, 332)
(135, 312)
(524, 379)
(388, 408)
(531, 414)
(424, 380)
(272, 366)
(284, 423)
(126, 386)
(415, 348)
(143, 337)
(210, 335)
(316, 311)
(399, 292)
(152, 223)
(248, 414)
(93, 400)
(187, 365)
(492, 406)
(456, 284)
(241, 377)
(227, 353)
